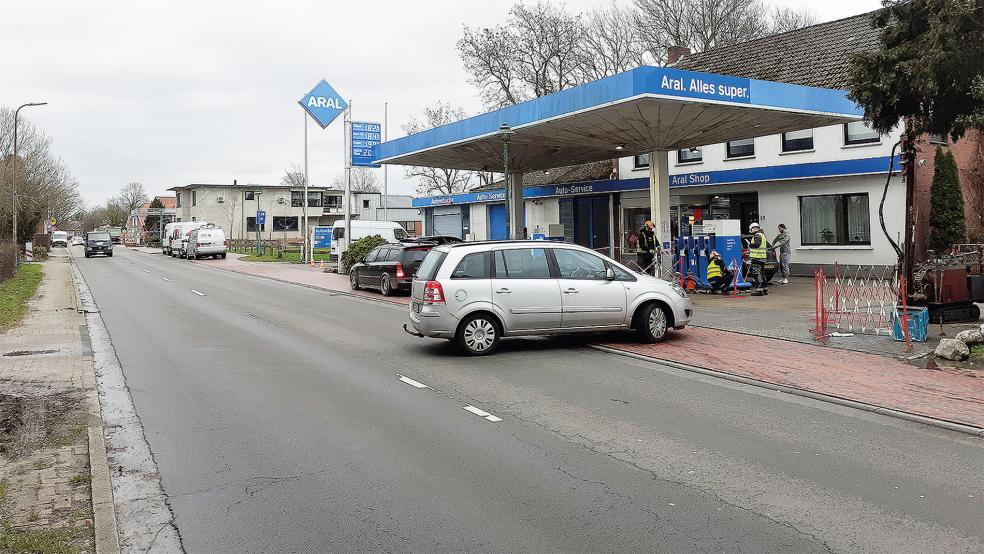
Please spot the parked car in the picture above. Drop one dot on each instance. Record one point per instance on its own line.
(59, 238)
(389, 267)
(389, 230)
(206, 241)
(176, 238)
(78, 241)
(476, 293)
(98, 242)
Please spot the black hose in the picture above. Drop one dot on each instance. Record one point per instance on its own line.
(881, 205)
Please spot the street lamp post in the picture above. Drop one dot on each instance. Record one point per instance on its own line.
(505, 133)
(256, 222)
(13, 181)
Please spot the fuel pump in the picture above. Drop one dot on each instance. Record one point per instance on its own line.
(694, 250)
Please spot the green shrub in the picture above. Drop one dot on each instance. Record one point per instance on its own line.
(358, 249)
(946, 206)
(40, 253)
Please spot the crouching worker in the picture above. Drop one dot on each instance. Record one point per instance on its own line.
(718, 275)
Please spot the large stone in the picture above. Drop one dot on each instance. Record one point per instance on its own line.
(952, 349)
(970, 337)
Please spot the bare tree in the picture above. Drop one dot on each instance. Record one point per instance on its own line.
(115, 212)
(611, 43)
(293, 176)
(704, 24)
(436, 180)
(132, 196)
(364, 179)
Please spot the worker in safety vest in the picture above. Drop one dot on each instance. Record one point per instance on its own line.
(758, 252)
(718, 275)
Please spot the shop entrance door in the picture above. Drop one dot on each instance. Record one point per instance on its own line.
(592, 223)
(497, 222)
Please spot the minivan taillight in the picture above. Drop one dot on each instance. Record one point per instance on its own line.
(198, 245)
(433, 293)
(399, 271)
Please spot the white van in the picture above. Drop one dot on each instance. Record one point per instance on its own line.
(389, 230)
(206, 241)
(176, 236)
(59, 238)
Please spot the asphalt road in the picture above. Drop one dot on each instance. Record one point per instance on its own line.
(279, 423)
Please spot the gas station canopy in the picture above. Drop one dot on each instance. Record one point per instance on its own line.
(644, 110)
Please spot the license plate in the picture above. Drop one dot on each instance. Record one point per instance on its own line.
(415, 306)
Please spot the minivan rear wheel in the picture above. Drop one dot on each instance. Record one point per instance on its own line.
(653, 324)
(478, 335)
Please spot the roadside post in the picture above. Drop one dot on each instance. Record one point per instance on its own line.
(260, 222)
(324, 105)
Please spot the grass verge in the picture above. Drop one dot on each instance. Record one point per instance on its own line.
(15, 292)
(977, 351)
(48, 541)
(287, 257)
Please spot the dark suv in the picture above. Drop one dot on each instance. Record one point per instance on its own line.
(389, 267)
(98, 242)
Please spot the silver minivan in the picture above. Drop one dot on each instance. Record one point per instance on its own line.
(476, 293)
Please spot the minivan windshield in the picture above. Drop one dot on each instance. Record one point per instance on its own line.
(338, 233)
(98, 236)
(428, 268)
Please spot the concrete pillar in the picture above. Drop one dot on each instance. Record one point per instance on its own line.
(659, 201)
(516, 205)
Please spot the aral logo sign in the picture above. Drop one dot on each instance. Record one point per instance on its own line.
(703, 85)
(323, 103)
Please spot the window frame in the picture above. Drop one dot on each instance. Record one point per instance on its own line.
(699, 159)
(320, 200)
(249, 195)
(552, 272)
(194, 198)
(845, 226)
(848, 141)
(785, 150)
(177, 199)
(296, 227)
(297, 199)
(730, 156)
(560, 275)
(252, 229)
(637, 164)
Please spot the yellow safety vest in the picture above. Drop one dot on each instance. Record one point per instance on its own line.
(713, 269)
(760, 253)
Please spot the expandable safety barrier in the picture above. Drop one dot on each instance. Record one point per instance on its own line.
(860, 300)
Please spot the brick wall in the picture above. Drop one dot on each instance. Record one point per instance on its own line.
(969, 155)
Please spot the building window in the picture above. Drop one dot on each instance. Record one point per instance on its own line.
(193, 218)
(297, 199)
(194, 198)
(858, 132)
(333, 201)
(251, 225)
(797, 141)
(689, 156)
(365, 203)
(315, 199)
(640, 161)
(835, 219)
(937, 138)
(285, 223)
(744, 148)
(249, 195)
(177, 199)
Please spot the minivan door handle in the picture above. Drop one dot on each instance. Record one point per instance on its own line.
(503, 291)
(571, 291)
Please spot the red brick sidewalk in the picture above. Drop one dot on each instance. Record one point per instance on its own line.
(946, 394)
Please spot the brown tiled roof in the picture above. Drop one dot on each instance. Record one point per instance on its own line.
(816, 56)
(594, 171)
(168, 201)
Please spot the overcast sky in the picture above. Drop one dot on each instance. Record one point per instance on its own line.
(173, 92)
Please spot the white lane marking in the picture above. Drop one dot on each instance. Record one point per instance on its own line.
(198, 292)
(483, 414)
(411, 382)
(146, 271)
(165, 278)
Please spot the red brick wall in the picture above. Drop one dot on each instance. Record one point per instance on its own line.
(969, 155)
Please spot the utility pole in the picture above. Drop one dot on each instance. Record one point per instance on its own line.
(348, 179)
(304, 203)
(385, 166)
(505, 133)
(13, 181)
(256, 221)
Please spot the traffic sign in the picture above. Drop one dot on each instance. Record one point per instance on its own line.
(321, 237)
(364, 136)
(323, 103)
(261, 217)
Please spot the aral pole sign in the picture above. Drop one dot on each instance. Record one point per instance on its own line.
(364, 137)
(323, 104)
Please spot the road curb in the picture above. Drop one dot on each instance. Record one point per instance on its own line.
(873, 408)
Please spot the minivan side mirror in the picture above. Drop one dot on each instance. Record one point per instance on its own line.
(609, 274)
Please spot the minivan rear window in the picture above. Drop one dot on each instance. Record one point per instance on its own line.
(428, 268)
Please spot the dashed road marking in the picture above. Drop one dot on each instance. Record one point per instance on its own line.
(483, 414)
(165, 278)
(198, 292)
(411, 382)
(145, 270)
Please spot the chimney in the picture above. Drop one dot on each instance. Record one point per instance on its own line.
(676, 53)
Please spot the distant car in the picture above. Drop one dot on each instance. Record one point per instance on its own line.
(176, 237)
(98, 242)
(78, 241)
(389, 267)
(437, 239)
(477, 292)
(206, 241)
(59, 238)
